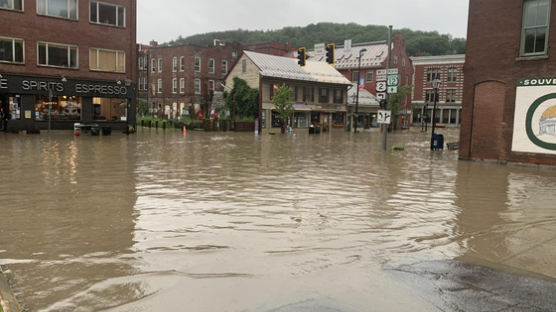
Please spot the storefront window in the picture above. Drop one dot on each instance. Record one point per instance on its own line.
(62, 108)
(338, 118)
(14, 109)
(315, 118)
(300, 120)
(106, 109)
(276, 121)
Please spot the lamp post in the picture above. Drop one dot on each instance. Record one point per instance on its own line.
(358, 87)
(435, 85)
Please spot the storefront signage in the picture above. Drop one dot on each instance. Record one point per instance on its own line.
(33, 85)
(3, 83)
(100, 89)
(535, 116)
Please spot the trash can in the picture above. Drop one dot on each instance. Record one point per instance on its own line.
(95, 130)
(106, 131)
(438, 142)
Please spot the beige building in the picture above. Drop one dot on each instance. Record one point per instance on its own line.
(320, 91)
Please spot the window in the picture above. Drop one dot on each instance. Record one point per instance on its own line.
(107, 60)
(211, 66)
(174, 64)
(244, 66)
(107, 14)
(432, 74)
(355, 76)
(59, 55)
(429, 96)
(153, 88)
(369, 76)
(12, 50)
(174, 85)
(106, 109)
(58, 8)
(234, 54)
(182, 85)
(14, 107)
(273, 89)
(308, 94)
(182, 63)
(153, 65)
(146, 63)
(140, 60)
(338, 96)
(197, 64)
(159, 65)
(534, 33)
(197, 86)
(450, 95)
(159, 85)
(452, 75)
(62, 108)
(12, 5)
(323, 98)
(224, 67)
(395, 60)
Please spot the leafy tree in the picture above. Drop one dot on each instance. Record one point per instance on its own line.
(396, 99)
(282, 100)
(142, 107)
(242, 100)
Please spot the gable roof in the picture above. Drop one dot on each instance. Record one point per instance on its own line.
(376, 53)
(287, 68)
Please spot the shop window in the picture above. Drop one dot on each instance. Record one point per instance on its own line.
(58, 8)
(263, 123)
(107, 109)
(107, 14)
(14, 107)
(11, 50)
(534, 32)
(338, 118)
(338, 96)
(276, 121)
(107, 60)
(58, 55)
(315, 118)
(12, 5)
(300, 120)
(62, 108)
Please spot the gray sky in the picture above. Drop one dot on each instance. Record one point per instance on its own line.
(165, 20)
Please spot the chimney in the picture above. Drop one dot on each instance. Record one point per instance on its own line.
(153, 43)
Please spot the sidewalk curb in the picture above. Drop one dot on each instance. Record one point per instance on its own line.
(8, 302)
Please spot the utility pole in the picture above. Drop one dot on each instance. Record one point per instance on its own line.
(385, 129)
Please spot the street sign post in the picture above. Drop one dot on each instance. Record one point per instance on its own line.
(384, 117)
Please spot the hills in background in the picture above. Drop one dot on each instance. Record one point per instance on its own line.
(419, 43)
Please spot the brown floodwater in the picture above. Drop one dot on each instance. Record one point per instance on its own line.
(160, 221)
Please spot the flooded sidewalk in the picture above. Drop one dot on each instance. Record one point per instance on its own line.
(236, 222)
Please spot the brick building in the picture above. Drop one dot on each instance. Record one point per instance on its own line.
(508, 101)
(62, 63)
(447, 68)
(271, 48)
(184, 80)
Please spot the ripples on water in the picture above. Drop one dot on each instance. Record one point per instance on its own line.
(92, 223)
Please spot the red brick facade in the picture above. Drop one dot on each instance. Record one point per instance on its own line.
(271, 48)
(494, 63)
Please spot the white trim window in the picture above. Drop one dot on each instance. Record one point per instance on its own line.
(197, 86)
(175, 85)
(224, 69)
(182, 85)
(107, 60)
(106, 14)
(535, 27)
(57, 55)
(16, 5)
(175, 64)
(159, 65)
(12, 50)
(58, 8)
(197, 64)
(159, 85)
(153, 65)
(153, 85)
(182, 63)
(211, 66)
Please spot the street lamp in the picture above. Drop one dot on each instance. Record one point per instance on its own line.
(358, 87)
(435, 85)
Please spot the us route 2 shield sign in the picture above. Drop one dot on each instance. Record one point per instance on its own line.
(381, 86)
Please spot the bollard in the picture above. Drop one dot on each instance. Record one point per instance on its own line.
(150, 123)
(156, 124)
(164, 125)
(142, 123)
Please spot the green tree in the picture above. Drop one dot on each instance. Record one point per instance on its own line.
(283, 103)
(142, 107)
(395, 100)
(242, 100)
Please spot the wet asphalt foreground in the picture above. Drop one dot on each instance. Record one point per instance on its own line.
(233, 222)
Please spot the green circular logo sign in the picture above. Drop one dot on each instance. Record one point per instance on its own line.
(529, 123)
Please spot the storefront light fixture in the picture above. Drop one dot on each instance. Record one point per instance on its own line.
(127, 82)
(64, 79)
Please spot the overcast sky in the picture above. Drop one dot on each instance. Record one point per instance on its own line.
(165, 20)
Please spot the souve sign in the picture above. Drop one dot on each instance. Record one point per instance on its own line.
(535, 116)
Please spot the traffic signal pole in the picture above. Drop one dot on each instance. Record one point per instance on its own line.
(385, 127)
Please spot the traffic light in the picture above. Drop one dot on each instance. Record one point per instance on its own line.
(301, 56)
(383, 104)
(330, 59)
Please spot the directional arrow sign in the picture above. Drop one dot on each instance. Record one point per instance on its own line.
(384, 117)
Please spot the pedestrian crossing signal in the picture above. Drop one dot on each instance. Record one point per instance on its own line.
(330, 59)
(301, 56)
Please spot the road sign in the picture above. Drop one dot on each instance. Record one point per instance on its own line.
(381, 72)
(393, 71)
(393, 80)
(380, 86)
(384, 117)
(381, 95)
(392, 90)
(381, 77)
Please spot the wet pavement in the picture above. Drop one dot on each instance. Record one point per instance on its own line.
(233, 222)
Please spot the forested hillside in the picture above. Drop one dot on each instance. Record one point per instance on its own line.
(419, 43)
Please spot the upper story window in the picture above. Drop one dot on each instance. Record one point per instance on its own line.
(58, 55)
(369, 76)
(323, 98)
(432, 74)
(244, 66)
(12, 50)
(175, 64)
(106, 13)
(452, 75)
(197, 86)
(16, 5)
(159, 85)
(355, 76)
(338, 96)
(224, 67)
(197, 64)
(107, 60)
(153, 65)
(211, 66)
(182, 63)
(159, 65)
(450, 95)
(57, 8)
(534, 33)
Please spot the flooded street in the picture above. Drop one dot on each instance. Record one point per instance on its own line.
(233, 222)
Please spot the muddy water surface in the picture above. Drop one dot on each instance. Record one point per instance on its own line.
(234, 222)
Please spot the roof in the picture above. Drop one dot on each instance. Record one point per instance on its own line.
(438, 60)
(549, 113)
(287, 68)
(375, 55)
(366, 98)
